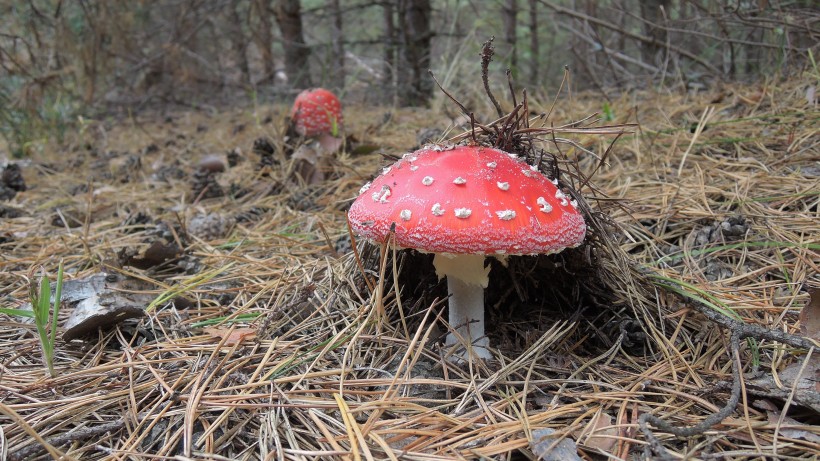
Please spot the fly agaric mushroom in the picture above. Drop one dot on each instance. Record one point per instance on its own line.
(465, 203)
(316, 112)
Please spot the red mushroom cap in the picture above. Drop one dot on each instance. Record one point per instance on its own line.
(467, 200)
(316, 111)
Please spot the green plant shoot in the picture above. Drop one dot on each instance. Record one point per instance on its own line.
(45, 317)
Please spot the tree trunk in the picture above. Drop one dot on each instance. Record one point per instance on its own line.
(263, 36)
(414, 86)
(390, 41)
(534, 48)
(337, 48)
(651, 13)
(508, 16)
(289, 17)
(238, 41)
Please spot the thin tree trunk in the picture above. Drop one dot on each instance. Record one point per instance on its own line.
(414, 86)
(390, 40)
(651, 12)
(534, 45)
(509, 13)
(289, 17)
(239, 41)
(337, 48)
(263, 36)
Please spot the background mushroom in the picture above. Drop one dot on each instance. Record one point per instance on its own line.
(317, 113)
(464, 203)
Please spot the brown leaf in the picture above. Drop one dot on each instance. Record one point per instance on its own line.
(599, 434)
(792, 428)
(154, 255)
(547, 445)
(810, 315)
(233, 336)
(330, 143)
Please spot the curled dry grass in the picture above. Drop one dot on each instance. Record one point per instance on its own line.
(336, 368)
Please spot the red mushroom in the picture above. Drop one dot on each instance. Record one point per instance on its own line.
(316, 112)
(462, 204)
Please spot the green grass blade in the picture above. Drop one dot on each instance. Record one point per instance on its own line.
(58, 296)
(186, 286)
(41, 309)
(226, 321)
(733, 246)
(17, 312)
(687, 290)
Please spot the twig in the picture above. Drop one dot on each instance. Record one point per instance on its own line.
(510, 84)
(641, 38)
(85, 433)
(750, 330)
(739, 330)
(655, 448)
(486, 57)
(460, 105)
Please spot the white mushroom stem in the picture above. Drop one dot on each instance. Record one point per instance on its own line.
(466, 280)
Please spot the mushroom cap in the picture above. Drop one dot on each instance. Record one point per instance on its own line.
(211, 164)
(467, 199)
(315, 111)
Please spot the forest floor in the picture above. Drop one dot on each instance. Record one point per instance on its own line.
(256, 331)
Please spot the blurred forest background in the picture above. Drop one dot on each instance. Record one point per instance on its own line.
(65, 60)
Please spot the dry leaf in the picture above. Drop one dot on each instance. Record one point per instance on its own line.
(791, 428)
(156, 254)
(330, 143)
(806, 385)
(599, 434)
(233, 336)
(546, 446)
(309, 163)
(810, 315)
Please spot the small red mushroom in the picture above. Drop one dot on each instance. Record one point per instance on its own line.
(462, 204)
(316, 112)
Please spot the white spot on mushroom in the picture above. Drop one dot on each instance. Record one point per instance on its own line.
(463, 213)
(364, 188)
(543, 205)
(492, 165)
(574, 203)
(381, 195)
(533, 168)
(503, 185)
(554, 181)
(427, 180)
(459, 180)
(386, 170)
(437, 210)
(506, 215)
(527, 172)
(560, 196)
(405, 215)
(500, 252)
(414, 167)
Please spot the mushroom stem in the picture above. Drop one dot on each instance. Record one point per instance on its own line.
(466, 279)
